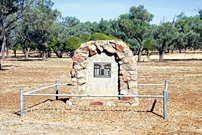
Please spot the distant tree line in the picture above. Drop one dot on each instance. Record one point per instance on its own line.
(34, 25)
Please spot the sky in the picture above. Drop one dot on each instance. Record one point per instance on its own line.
(94, 10)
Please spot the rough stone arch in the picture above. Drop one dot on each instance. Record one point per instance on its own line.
(127, 66)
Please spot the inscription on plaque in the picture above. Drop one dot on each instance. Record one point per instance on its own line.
(102, 69)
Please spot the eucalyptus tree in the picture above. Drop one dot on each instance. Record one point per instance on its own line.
(76, 28)
(10, 12)
(63, 30)
(116, 31)
(59, 37)
(189, 29)
(136, 25)
(40, 20)
(164, 36)
(93, 27)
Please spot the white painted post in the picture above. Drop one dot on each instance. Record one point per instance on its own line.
(21, 102)
(164, 104)
(166, 82)
(56, 89)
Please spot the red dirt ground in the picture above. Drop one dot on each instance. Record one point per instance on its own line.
(45, 115)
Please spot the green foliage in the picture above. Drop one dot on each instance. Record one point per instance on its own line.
(164, 36)
(99, 36)
(127, 44)
(117, 39)
(84, 38)
(73, 43)
(148, 46)
(136, 25)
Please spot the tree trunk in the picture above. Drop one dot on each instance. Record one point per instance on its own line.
(0, 63)
(7, 51)
(148, 55)
(140, 51)
(136, 51)
(168, 50)
(44, 53)
(27, 52)
(14, 53)
(49, 53)
(24, 51)
(180, 50)
(161, 52)
(3, 48)
(59, 53)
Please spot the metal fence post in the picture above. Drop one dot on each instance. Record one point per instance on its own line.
(56, 89)
(21, 102)
(166, 82)
(164, 104)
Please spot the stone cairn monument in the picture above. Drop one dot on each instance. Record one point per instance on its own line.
(104, 67)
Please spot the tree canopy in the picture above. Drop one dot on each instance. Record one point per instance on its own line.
(33, 24)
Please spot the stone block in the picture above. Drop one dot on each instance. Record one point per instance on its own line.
(132, 72)
(77, 58)
(73, 79)
(84, 55)
(123, 92)
(96, 103)
(123, 85)
(120, 55)
(93, 50)
(131, 68)
(127, 78)
(128, 53)
(130, 60)
(83, 64)
(132, 84)
(85, 49)
(127, 98)
(81, 87)
(80, 74)
(119, 48)
(134, 91)
(72, 72)
(109, 49)
(100, 48)
(77, 67)
(80, 82)
(121, 72)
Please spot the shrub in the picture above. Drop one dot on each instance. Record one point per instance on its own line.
(148, 46)
(72, 43)
(99, 36)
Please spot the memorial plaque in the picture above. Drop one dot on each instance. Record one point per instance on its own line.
(102, 69)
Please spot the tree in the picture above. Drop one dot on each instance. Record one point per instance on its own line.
(93, 27)
(164, 36)
(40, 20)
(148, 47)
(72, 44)
(84, 38)
(11, 11)
(59, 37)
(99, 36)
(75, 28)
(136, 25)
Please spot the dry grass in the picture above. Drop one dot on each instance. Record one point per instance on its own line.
(45, 115)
